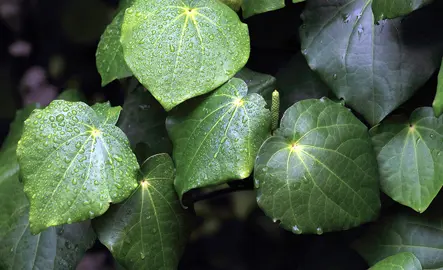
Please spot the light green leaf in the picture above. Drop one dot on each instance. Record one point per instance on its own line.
(318, 173)
(109, 56)
(296, 81)
(399, 261)
(74, 162)
(410, 158)
(143, 121)
(252, 7)
(389, 9)
(150, 229)
(182, 49)
(218, 140)
(406, 231)
(438, 100)
(72, 95)
(374, 68)
(60, 248)
(260, 83)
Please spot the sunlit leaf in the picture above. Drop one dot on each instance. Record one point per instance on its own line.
(399, 261)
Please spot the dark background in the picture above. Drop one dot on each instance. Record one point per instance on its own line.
(47, 46)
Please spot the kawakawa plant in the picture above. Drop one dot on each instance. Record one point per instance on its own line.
(69, 173)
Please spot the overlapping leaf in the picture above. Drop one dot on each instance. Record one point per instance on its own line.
(109, 57)
(260, 83)
(218, 140)
(318, 172)
(420, 234)
(400, 261)
(296, 81)
(143, 121)
(150, 229)
(59, 248)
(371, 67)
(389, 9)
(410, 158)
(182, 49)
(252, 7)
(74, 162)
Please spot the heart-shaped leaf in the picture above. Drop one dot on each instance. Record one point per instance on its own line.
(74, 162)
(252, 7)
(372, 67)
(406, 231)
(109, 56)
(60, 248)
(438, 100)
(218, 140)
(318, 172)
(182, 49)
(401, 261)
(150, 229)
(143, 121)
(389, 9)
(410, 158)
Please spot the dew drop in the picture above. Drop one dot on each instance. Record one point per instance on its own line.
(96, 182)
(334, 76)
(142, 255)
(60, 118)
(171, 48)
(118, 186)
(304, 52)
(274, 220)
(12, 249)
(78, 145)
(69, 221)
(86, 202)
(319, 231)
(74, 181)
(296, 230)
(52, 118)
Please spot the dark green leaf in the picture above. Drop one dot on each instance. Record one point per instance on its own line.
(319, 172)
(296, 81)
(109, 57)
(389, 9)
(218, 140)
(400, 261)
(406, 231)
(60, 248)
(370, 66)
(182, 49)
(72, 95)
(438, 101)
(252, 7)
(74, 162)
(262, 84)
(234, 4)
(150, 229)
(143, 121)
(410, 158)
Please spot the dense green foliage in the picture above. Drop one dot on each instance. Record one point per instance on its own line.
(320, 149)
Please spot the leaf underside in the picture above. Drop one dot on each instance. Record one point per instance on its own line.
(318, 172)
(74, 162)
(150, 229)
(218, 140)
(374, 68)
(182, 49)
(410, 158)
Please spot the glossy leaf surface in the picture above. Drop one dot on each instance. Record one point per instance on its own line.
(399, 261)
(252, 7)
(218, 140)
(59, 248)
(182, 49)
(260, 83)
(410, 158)
(318, 172)
(374, 68)
(150, 229)
(74, 162)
